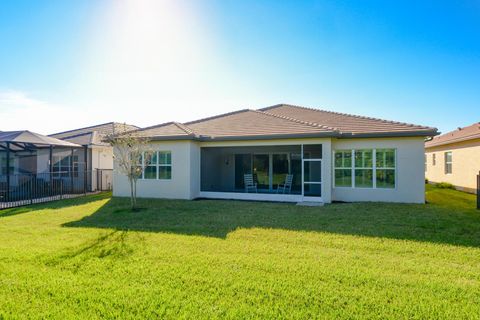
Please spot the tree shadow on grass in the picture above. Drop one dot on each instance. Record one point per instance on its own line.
(55, 204)
(110, 244)
(217, 218)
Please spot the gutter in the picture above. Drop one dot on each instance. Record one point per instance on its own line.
(338, 135)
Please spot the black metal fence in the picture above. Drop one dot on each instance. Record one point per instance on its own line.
(23, 189)
(104, 179)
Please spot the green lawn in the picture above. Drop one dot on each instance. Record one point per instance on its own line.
(92, 258)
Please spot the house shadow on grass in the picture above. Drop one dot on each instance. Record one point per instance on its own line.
(217, 218)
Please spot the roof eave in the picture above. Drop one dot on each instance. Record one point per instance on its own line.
(296, 136)
(400, 134)
(171, 138)
(431, 144)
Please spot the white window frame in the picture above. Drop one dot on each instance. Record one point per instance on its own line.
(158, 165)
(351, 168)
(354, 167)
(384, 168)
(448, 162)
(374, 168)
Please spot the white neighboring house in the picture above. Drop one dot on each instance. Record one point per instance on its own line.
(332, 157)
(99, 153)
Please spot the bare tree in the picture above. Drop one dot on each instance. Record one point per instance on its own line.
(131, 155)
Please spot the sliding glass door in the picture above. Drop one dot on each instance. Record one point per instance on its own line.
(270, 170)
(261, 171)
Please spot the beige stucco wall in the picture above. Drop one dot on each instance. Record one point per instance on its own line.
(184, 175)
(102, 158)
(185, 182)
(410, 180)
(465, 164)
(194, 170)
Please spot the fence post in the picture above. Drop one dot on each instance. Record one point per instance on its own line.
(85, 170)
(8, 171)
(31, 188)
(478, 190)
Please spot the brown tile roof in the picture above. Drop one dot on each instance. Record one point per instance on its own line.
(167, 130)
(461, 134)
(252, 123)
(94, 134)
(284, 121)
(347, 123)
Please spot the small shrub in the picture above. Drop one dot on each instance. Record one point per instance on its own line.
(426, 181)
(445, 185)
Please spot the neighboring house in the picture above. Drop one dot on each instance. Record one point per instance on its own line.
(455, 158)
(99, 153)
(332, 157)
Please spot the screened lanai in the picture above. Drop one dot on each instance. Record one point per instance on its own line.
(226, 169)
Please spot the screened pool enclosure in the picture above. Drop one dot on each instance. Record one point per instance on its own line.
(36, 168)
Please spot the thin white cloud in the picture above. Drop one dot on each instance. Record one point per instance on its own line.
(22, 111)
(12, 100)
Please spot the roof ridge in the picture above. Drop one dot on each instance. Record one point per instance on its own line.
(76, 135)
(185, 128)
(347, 114)
(312, 124)
(113, 123)
(88, 127)
(216, 117)
(94, 135)
(155, 126)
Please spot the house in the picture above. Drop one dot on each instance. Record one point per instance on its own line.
(454, 157)
(99, 153)
(248, 154)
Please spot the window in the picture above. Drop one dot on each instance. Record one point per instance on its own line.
(426, 160)
(164, 165)
(343, 168)
(3, 163)
(151, 168)
(385, 168)
(370, 168)
(364, 168)
(159, 166)
(434, 159)
(448, 162)
(62, 166)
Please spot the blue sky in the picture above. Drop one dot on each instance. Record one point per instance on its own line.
(66, 64)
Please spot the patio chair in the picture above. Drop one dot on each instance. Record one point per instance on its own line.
(286, 187)
(249, 184)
